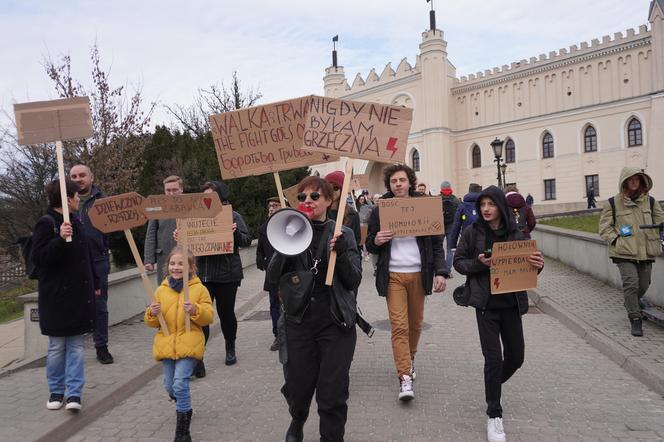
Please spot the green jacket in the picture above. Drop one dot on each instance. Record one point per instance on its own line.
(642, 245)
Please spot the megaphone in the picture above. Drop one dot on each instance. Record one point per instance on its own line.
(289, 231)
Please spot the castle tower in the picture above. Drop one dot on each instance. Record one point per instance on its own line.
(334, 81)
(655, 159)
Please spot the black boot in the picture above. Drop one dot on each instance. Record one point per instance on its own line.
(295, 433)
(199, 371)
(103, 355)
(230, 353)
(637, 330)
(182, 427)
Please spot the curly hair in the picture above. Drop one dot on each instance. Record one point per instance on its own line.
(391, 170)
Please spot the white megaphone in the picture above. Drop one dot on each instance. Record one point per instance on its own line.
(289, 231)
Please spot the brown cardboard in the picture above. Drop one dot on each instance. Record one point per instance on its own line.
(355, 129)
(291, 195)
(263, 139)
(413, 216)
(119, 212)
(359, 182)
(209, 236)
(364, 231)
(186, 205)
(56, 120)
(510, 269)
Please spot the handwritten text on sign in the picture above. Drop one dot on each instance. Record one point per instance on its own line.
(419, 216)
(510, 269)
(186, 205)
(263, 139)
(117, 213)
(209, 236)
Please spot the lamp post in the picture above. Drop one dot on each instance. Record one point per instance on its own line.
(503, 168)
(497, 146)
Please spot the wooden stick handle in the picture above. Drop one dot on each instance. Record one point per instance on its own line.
(63, 184)
(332, 262)
(182, 236)
(280, 190)
(144, 277)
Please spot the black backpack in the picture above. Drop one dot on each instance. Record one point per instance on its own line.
(31, 269)
(449, 210)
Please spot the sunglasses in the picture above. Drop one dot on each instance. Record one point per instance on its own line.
(301, 197)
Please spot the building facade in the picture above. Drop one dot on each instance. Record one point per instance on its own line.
(570, 119)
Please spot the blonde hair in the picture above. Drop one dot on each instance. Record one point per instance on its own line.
(173, 179)
(178, 250)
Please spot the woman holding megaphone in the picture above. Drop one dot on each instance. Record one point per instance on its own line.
(318, 324)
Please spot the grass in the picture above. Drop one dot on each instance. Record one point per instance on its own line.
(10, 307)
(583, 223)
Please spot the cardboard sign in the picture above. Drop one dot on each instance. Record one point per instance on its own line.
(359, 182)
(510, 269)
(263, 139)
(364, 231)
(55, 120)
(355, 129)
(209, 236)
(413, 216)
(291, 195)
(119, 212)
(185, 205)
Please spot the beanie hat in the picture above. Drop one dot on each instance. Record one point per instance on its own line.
(336, 177)
(445, 185)
(474, 188)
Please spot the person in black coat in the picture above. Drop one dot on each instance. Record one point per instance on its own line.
(264, 252)
(222, 274)
(319, 333)
(498, 316)
(67, 288)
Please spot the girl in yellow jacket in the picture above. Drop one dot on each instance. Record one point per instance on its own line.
(180, 350)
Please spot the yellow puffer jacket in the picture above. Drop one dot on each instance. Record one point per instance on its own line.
(180, 344)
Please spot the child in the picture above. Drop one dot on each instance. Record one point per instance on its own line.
(180, 350)
(498, 316)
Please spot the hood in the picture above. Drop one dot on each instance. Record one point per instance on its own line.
(222, 189)
(498, 197)
(515, 200)
(471, 197)
(627, 172)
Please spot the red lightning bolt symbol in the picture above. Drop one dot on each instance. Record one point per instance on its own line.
(392, 146)
(496, 282)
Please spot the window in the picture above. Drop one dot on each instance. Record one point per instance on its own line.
(415, 160)
(592, 181)
(477, 156)
(550, 189)
(590, 140)
(510, 151)
(547, 146)
(634, 133)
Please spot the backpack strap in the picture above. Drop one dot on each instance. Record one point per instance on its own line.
(612, 202)
(652, 210)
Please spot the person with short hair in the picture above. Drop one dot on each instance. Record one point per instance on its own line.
(422, 188)
(66, 295)
(466, 213)
(408, 269)
(98, 241)
(450, 205)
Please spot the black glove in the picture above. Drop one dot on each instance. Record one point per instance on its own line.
(341, 245)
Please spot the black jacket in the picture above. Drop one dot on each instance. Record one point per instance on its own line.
(264, 252)
(227, 267)
(432, 254)
(346, 279)
(473, 242)
(97, 240)
(67, 279)
(351, 220)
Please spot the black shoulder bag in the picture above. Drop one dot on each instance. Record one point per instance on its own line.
(296, 287)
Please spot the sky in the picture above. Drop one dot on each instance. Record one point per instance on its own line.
(171, 48)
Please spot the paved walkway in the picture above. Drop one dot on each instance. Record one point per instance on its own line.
(566, 390)
(11, 342)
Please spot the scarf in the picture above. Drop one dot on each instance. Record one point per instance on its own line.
(176, 284)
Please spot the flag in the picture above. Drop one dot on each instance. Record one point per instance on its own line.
(335, 38)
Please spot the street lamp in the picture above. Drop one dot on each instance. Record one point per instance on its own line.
(503, 168)
(497, 146)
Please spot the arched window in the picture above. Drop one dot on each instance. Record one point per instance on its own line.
(634, 133)
(415, 160)
(477, 156)
(510, 151)
(590, 139)
(547, 145)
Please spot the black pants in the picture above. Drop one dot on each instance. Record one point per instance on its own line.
(275, 309)
(496, 326)
(223, 294)
(319, 358)
(100, 335)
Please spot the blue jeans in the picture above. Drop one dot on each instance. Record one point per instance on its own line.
(449, 257)
(100, 335)
(64, 365)
(176, 380)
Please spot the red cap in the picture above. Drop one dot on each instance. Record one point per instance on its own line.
(336, 177)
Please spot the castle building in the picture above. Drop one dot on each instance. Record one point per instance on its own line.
(569, 119)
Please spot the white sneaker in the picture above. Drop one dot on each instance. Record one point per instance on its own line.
(406, 391)
(494, 430)
(55, 401)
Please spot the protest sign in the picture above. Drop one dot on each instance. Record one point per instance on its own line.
(413, 216)
(291, 195)
(262, 139)
(359, 182)
(185, 205)
(354, 129)
(56, 120)
(209, 236)
(364, 231)
(510, 269)
(119, 212)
